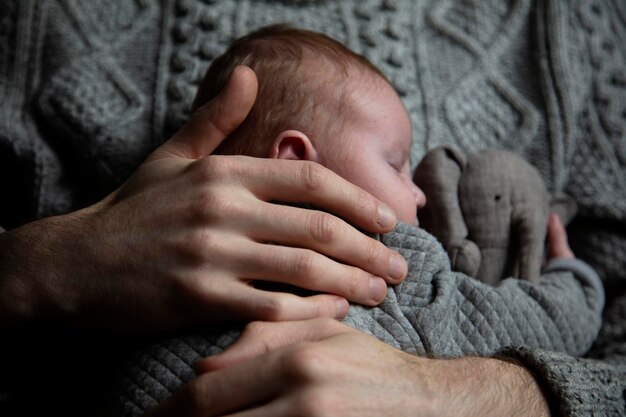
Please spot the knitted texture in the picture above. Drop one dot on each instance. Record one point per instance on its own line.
(89, 88)
(572, 377)
(434, 311)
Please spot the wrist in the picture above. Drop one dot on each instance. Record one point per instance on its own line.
(34, 271)
(474, 386)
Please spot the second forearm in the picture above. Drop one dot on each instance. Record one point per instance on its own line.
(486, 386)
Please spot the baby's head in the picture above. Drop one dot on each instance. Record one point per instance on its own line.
(319, 101)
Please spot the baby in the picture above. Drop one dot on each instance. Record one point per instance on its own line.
(319, 101)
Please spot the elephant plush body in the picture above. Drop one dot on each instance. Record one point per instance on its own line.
(490, 211)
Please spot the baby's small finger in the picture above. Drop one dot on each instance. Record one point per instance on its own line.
(558, 246)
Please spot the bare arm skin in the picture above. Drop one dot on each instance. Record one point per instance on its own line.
(324, 368)
(180, 241)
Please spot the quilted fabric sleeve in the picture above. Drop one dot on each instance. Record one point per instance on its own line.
(440, 312)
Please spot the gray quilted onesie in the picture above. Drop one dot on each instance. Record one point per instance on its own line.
(434, 311)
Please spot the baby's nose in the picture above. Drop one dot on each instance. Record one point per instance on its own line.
(420, 197)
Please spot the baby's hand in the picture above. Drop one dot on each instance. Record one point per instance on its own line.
(558, 246)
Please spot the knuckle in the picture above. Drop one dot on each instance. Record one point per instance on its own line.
(353, 285)
(322, 227)
(260, 333)
(363, 202)
(202, 241)
(215, 168)
(303, 264)
(314, 176)
(195, 247)
(213, 205)
(205, 205)
(373, 253)
(305, 364)
(255, 328)
(270, 309)
(206, 169)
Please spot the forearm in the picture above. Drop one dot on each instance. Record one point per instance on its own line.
(30, 259)
(369, 377)
(485, 387)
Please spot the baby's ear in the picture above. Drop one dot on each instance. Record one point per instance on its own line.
(293, 144)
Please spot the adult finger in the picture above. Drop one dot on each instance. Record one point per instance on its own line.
(207, 396)
(329, 235)
(209, 125)
(290, 181)
(259, 338)
(231, 389)
(254, 304)
(558, 246)
(308, 269)
(310, 182)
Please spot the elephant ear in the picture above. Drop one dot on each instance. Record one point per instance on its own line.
(438, 175)
(564, 206)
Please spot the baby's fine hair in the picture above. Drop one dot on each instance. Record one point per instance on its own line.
(302, 80)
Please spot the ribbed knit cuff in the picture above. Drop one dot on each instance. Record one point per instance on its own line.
(582, 270)
(579, 387)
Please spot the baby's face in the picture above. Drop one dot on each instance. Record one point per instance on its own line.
(374, 147)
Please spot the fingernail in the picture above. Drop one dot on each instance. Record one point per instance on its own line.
(398, 267)
(386, 217)
(378, 289)
(342, 307)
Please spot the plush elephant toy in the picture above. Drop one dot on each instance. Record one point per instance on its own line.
(490, 211)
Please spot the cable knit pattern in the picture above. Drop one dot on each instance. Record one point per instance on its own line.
(573, 377)
(90, 88)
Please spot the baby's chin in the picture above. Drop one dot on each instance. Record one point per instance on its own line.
(408, 219)
(414, 222)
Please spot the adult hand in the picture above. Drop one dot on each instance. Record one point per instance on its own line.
(323, 368)
(180, 242)
(558, 245)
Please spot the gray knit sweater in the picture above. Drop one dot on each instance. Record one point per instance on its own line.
(89, 88)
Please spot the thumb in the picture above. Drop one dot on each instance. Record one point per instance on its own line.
(210, 124)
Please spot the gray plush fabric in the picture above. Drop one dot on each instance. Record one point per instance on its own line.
(488, 208)
(89, 88)
(444, 313)
(435, 311)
